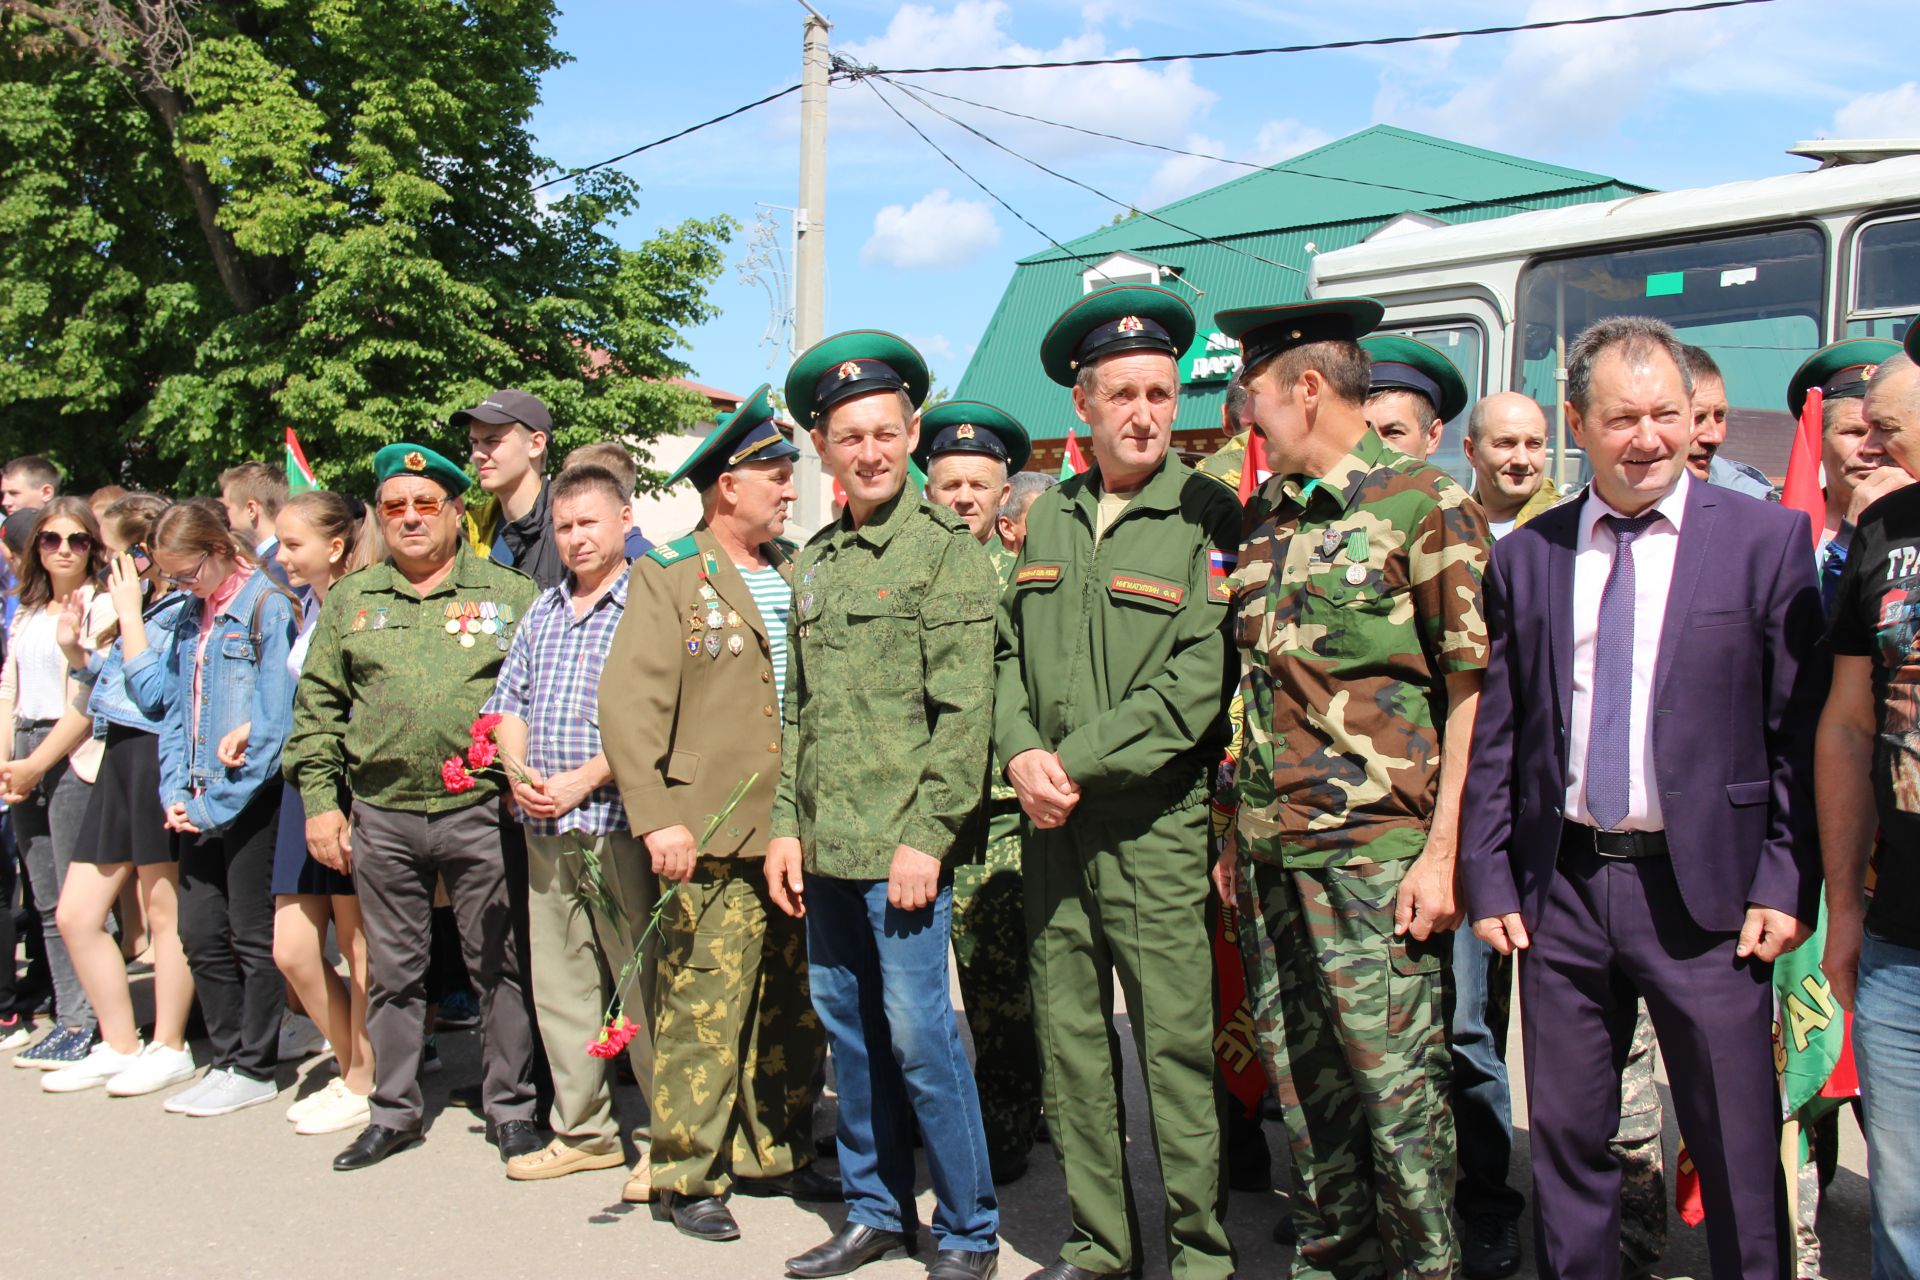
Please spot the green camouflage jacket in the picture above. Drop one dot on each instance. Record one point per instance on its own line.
(1354, 597)
(889, 691)
(388, 692)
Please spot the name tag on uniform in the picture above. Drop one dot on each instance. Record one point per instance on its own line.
(1147, 588)
(1038, 573)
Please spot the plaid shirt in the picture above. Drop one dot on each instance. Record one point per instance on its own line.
(551, 679)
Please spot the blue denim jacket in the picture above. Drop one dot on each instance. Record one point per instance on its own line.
(134, 694)
(239, 686)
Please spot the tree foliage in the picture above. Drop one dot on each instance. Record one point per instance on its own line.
(221, 219)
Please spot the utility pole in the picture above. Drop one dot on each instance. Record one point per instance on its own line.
(810, 241)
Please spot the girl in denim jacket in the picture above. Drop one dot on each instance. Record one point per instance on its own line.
(229, 668)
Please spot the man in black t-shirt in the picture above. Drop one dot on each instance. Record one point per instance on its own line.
(1868, 767)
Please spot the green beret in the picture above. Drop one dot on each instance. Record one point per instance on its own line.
(969, 426)
(418, 460)
(748, 434)
(1840, 370)
(1407, 364)
(1264, 332)
(1108, 322)
(853, 364)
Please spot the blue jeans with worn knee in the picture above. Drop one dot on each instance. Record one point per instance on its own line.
(879, 979)
(1886, 1048)
(1482, 1101)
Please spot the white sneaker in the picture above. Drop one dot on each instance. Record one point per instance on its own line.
(299, 1037)
(157, 1067)
(298, 1111)
(180, 1101)
(336, 1107)
(99, 1066)
(229, 1092)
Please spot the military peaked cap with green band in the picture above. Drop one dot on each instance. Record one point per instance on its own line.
(748, 434)
(1265, 332)
(1109, 322)
(1401, 363)
(417, 460)
(852, 364)
(1841, 369)
(1913, 340)
(969, 426)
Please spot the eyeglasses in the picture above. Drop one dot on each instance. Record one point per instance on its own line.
(422, 503)
(182, 579)
(80, 544)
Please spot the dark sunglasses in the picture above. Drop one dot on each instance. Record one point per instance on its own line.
(423, 504)
(80, 544)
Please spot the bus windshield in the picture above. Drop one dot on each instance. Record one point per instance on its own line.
(1754, 301)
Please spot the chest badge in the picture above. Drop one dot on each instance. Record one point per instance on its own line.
(1356, 574)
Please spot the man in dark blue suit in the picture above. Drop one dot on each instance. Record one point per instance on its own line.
(1643, 824)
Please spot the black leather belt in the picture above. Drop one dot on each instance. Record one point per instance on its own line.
(1621, 846)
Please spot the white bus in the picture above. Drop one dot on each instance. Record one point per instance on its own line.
(1759, 273)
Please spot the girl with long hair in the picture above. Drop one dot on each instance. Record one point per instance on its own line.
(64, 555)
(322, 538)
(123, 837)
(229, 668)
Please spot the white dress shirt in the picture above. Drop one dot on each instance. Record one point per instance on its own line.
(1653, 554)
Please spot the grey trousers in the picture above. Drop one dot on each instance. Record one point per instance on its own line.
(397, 857)
(46, 826)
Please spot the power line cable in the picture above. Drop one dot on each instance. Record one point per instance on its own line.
(672, 137)
(1332, 45)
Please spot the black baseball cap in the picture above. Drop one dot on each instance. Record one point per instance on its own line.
(508, 405)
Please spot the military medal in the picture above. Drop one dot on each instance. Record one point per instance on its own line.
(360, 621)
(501, 644)
(733, 623)
(488, 623)
(466, 639)
(1356, 574)
(506, 615)
(379, 619)
(707, 592)
(806, 603)
(714, 622)
(1356, 546)
(1329, 543)
(693, 645)
(713, 644)
(736, 645)
(453, 619)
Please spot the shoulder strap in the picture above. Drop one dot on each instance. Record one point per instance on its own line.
(259, 603)
(674, 552)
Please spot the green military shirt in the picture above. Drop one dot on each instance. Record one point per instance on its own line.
(389, 692)
(889, 691)
(1115, 656)
(1001, 558)
(1355, 596)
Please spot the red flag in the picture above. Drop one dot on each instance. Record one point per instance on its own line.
(1686, 1190)
(1802, 490)
(1072, 462)
(1236, 1045)
(1252, 464)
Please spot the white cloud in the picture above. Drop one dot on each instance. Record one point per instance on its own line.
(1894, 113)
(937, 348)
(1180, 176)
(936, 232)
(1284, 139)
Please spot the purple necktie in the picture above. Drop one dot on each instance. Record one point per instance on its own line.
(1610, 721)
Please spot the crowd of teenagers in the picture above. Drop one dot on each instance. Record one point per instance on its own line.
(1309, 725)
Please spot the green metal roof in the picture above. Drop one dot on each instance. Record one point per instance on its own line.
(1329, 198)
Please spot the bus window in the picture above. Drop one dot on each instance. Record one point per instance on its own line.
(1753, 301)
(1886, 278)
(1464, 344)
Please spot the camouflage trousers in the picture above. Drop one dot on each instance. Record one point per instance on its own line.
(1636, 1145)
(990, 956)
(1351, 1027)
(737, 1045)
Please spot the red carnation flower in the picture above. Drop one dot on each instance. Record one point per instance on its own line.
(613, 1038)
(483, 727)
(482, 753)
(454, 774)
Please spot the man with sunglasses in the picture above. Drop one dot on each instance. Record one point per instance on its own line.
(404, 655)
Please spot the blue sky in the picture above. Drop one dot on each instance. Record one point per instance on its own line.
(914, 247)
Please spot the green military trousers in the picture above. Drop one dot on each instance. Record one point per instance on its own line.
(1129, 898)
(737, 1045)
(1353, 1033)
(990, 959)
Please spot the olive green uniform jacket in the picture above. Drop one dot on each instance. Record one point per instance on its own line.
(684, 720)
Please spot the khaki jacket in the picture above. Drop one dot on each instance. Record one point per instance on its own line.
(680, 723)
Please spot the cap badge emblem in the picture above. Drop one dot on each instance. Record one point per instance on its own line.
(415, 461)
(849, 370)
(963, 432)
(1131, 324)
(1867, 371)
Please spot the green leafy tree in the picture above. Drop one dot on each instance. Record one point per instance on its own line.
(218, 220)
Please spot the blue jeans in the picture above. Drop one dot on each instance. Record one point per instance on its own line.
(879, 978)
(1482, 1102)
(1886, 1046)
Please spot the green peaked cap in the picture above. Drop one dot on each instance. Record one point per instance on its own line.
(403, 459)
(1107, 322)
(1401, 363)
(1264, 332)
(853, 364)
(748, 434)
(971, 426)
(1840, 370)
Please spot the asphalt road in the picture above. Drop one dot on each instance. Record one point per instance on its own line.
(99, 1186)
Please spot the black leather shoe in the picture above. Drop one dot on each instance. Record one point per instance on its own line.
(375, 1143)
(1005, 1169)
(1284, 1232)
(804, 1183)
(1064, 1270)
(851, 1248)
(517, 1138)
(963, 1264)
(1489, 1247)
(702, 1217)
